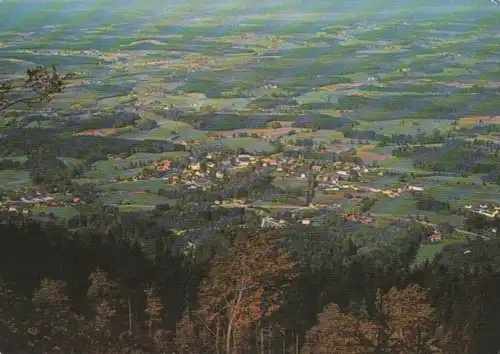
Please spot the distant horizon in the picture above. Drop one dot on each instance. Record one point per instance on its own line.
(16, 15)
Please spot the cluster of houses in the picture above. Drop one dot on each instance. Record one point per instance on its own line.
(359, 219)
(487, 210)
(200, 172)
(208, 169)
(36, 197)
(392, 192)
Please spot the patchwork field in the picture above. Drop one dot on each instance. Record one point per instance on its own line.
(250, 145)
(405, 126)
(401, 206)
(14, 179)
(475, 120)
(207, 73)
(370, 153)
(138, 187)
(59, 212)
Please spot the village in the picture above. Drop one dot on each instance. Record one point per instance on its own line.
(203, 171)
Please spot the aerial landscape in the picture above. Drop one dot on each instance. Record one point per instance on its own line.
(241, 177)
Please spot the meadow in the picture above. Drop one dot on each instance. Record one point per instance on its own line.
(14, 179)
(430, 251)
(65, 212)
(136, 186)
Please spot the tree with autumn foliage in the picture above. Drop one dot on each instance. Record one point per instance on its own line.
(104, 298)
(402, 322)
(244, 287)
(53, 326)
(41, 324)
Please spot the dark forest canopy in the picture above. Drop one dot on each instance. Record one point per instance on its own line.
(457, 156)
(124, 274)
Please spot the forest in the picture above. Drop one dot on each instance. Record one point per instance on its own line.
(462, 157)
(121, 284)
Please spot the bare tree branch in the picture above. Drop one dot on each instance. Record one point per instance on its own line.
(39, 85)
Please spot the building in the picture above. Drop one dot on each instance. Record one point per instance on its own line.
(243, 160)
(435, 237)
(163, 165)
(269, 162)
(195, 166)
(415, 188)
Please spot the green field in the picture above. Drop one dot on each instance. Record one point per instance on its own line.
(397, 164)
(405, 126)
(115, 197)
(134, 208)
(142, 157)
(60, 212)
(429, 251)
(103, 170)
(137, 186)
(465, 194)
(399, 206)
(251, 145)
(14, 179)
(166, 131)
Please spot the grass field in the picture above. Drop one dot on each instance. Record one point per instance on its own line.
(136, 186)
(14, 179)
(143, 157)
(249, 144)
(135, 207)
(60, 212)
(325, 135)
(397, 164)
(400, 206)
(467, 122)
(428, 252)
(103, 170)
(70, 162)
(405, 126)
(19, 158)
(165, 131)
(370, 152)
(465, 194)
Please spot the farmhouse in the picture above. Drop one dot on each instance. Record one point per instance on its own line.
(435, 237)
(163, 165)
(415, 188)
(194, 166)
(243, 159)
(269, 162)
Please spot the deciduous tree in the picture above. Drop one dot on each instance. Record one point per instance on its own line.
(53, 326)
(402, 322)
(243, 287)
